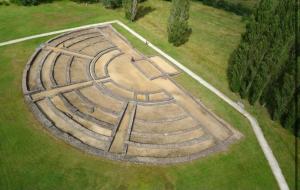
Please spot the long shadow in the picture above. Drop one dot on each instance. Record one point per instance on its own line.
(143, 10)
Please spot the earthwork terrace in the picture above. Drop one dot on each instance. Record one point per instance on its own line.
(92, 89)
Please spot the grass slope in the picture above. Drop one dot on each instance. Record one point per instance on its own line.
(31, 159)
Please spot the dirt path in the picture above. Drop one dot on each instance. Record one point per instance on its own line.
(118, 144)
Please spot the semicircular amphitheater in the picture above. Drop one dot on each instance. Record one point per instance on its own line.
(92, 89)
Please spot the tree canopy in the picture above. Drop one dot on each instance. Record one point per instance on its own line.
(263, 67)
(130, 7)
(178, 28)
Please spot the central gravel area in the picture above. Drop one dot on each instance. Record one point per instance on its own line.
(92, 89)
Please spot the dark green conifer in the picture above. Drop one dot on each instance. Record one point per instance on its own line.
(130, 8)
(262, 67)
(178, 27)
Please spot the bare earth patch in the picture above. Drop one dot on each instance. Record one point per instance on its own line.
(92, 89)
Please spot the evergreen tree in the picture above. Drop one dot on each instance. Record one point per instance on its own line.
(288, 119)
(237, 67)
(112, 4)
(178, 28)
(130, 8)
(257, 46)
(263, 66)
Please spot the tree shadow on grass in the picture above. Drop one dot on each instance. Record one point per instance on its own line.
(143, 10)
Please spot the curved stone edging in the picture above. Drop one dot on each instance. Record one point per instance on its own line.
(138, 160)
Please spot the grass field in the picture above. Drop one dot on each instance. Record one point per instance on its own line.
(33, 159)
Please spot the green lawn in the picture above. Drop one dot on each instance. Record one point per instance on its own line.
(32, 159)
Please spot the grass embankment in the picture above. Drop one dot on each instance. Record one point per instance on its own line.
(32, 159)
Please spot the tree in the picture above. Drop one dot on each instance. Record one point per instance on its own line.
(112, 4)
(29, 2)
(262, 67)
(130, 8)
(178, 28)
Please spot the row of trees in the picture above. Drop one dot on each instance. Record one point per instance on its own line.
(130, 6)
(263, 67)
(29, 2)
(231, 6)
